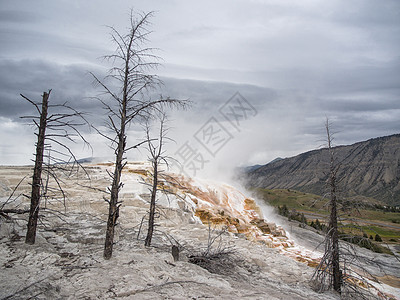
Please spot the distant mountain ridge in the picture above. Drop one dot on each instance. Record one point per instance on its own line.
(370, 168)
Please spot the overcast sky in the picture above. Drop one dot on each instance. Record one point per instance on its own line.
(294, 62)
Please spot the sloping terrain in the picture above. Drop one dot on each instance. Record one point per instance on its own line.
(66, 261)
(370, 168)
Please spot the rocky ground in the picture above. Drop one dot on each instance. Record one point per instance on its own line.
(66, 260)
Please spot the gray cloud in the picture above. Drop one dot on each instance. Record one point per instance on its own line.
(32, 77)
(296, 62)
(16, 17)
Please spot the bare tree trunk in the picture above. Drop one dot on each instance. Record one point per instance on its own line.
(334, 236)
(152, 205)
(113, 211)
(37, 173)
(333, 224)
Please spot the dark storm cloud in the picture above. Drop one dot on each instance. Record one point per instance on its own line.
(32, 77)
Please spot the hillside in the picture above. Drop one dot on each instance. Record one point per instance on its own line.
(370, 168)
(268, 261)
(67, 263)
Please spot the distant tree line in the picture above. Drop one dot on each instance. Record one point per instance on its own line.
(364, 241)
(386, 208)
(292, 214)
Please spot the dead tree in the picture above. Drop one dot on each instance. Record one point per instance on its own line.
(342, 267)
(328, 272)
(159, 180)
(132, 77)
(37, 172)
(52, 129)
(333, 218)
(333, 231)
(157, 159)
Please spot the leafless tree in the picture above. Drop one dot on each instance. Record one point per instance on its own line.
(333, 233)
(342, 267)
(329, 273)
(128, 92)
(158, 162)
(57, 125)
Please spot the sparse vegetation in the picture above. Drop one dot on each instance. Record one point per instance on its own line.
(288, 200)
(364, 242)
(217, 257)
(292, 215)
(378, 238)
